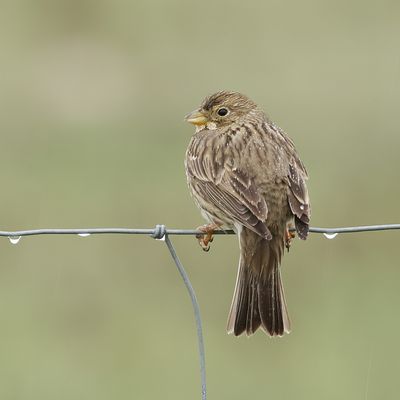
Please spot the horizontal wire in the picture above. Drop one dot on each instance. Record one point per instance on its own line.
(129, 231)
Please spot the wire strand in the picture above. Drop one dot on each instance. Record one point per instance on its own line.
(133, 231)
(196, 311)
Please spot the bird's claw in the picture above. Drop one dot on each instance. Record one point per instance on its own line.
(206, 237)
(289, 236)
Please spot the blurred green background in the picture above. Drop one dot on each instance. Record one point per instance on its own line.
(92, 99)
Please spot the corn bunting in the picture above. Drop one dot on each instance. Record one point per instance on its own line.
(244, 174)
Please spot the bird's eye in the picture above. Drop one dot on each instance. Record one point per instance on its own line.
(222, 112)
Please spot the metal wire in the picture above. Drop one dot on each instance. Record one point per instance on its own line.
(160, 232)
(129, 231)
(196, 310)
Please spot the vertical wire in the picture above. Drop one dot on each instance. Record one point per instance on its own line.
(196, 310)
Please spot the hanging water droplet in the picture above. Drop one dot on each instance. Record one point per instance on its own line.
(14, 239)
(301, 207)
(162, 239)
(330, 235)
(84, 234)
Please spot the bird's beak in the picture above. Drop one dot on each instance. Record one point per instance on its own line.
(196, 118)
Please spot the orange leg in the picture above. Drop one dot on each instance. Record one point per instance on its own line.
(289, 236)
(206, 237)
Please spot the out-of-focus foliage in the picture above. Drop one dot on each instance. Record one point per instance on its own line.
(92, 99)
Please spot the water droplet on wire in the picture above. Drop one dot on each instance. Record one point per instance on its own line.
(330, 235)
(84, 234)
(14, 239)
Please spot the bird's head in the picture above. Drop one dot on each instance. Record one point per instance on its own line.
(221, 109)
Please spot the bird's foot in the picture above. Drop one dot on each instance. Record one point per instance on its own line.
(289, 236)
(206, 237)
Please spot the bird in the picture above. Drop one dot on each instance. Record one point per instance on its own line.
(244, 173)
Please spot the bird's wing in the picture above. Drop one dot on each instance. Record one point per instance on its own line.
(241, 186)
(229, 189)
(298, 198)
(296, 177)
(230, 205)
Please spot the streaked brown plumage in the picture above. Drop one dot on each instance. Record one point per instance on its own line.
(244, 173)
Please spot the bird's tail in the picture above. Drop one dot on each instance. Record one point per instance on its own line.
(259, 299)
